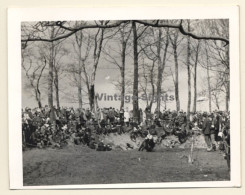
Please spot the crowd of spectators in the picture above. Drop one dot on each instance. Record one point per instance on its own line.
(80, 126)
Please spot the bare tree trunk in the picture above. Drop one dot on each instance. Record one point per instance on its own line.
(176, 80)
(79, 88)
(209, 90)
(39, 104)
(195, 79)
(56, 85)
(195, 89)
(136, 74)
(97, 52)
(161, 66)
(123, 88)
(87, 85)
(151, 102)
(37, 87)
(176, 83)
(144, 88)
(160, 71)
(50, 84)
(216, 100)
(38, 98)
(122, 69)
(91, 97)
(208, 79)
(152, 84)
(189, 78)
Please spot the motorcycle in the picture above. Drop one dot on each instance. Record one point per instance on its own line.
(137, 133)
(182, 135)
(148, 144)
(104, 147)
(168, 127)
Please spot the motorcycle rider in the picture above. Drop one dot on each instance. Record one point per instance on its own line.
(152, 134)
(150, 139)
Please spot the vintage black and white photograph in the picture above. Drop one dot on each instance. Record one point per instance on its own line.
(125, 101)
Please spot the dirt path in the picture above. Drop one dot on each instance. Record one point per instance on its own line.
(81, 165)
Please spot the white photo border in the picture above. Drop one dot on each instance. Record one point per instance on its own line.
(18, 15)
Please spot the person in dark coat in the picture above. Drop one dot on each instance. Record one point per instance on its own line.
(212, 117)
(217, 125)
(206, 131)
(121, 116)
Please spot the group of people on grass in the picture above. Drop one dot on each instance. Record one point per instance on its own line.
(82, 126)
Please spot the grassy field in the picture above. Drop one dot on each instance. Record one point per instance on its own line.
(81, 165)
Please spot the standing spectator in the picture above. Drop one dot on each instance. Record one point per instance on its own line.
(212, 131)
(206, 131)
(126, 117)
(217, 125)
(121, 116)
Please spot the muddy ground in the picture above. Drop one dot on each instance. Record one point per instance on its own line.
(79, 164)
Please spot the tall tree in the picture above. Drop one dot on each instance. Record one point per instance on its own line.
(188, 64)
(209, 85)
(161, 60)
(136, 37)
(98, 41)
(58, 54)
(195, 77)
(175, 43)
(51, 78)
(136, 74)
